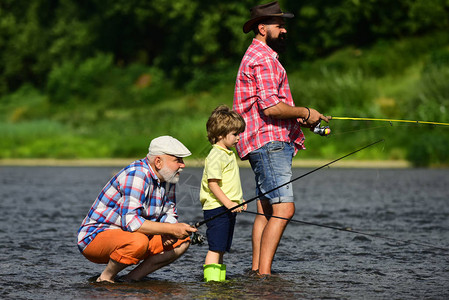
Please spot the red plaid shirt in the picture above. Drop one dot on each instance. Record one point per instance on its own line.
(262, 82)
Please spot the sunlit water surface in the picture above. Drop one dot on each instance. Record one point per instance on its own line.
(42, 208)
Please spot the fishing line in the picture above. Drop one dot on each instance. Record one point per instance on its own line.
(326, 131)
(198, 224)
(349, 230)
(358, 130)
(390, 124)
(391, 120)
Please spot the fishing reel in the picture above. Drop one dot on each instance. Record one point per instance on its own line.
(197, 239)
(321, 130)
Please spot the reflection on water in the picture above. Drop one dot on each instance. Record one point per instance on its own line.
(43, 207)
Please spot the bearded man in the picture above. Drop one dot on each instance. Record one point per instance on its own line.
(273, 128)
(134, 218)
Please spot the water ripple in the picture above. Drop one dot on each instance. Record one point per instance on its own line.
(41, 261)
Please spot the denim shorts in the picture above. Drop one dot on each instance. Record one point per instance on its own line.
(220, 230)
(272, 165)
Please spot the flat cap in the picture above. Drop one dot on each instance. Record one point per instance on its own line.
(168, 145)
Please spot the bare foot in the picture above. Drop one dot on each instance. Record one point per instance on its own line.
(99, 279)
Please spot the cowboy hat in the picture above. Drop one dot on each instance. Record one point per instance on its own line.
(263, 11)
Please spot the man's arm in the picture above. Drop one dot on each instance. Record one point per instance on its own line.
(178, 230)
(285, 111)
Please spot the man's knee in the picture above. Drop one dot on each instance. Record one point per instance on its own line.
(138, 244)
(183, 247)
(284, 210)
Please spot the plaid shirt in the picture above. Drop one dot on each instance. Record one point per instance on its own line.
(261, 83)
(133, 195)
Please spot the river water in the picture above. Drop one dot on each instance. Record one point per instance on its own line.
(42, 208)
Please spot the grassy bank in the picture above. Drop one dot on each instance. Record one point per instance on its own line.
(116, 112)
(197, 163)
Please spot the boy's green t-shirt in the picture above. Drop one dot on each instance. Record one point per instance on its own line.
(221, 164)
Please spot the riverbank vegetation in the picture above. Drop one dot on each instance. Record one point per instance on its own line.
(104, 85)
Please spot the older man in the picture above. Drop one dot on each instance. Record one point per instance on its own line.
(273, 128)
(134, 218)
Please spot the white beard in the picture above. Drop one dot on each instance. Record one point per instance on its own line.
(169, 175)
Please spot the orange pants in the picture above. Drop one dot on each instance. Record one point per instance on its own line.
(125, 247)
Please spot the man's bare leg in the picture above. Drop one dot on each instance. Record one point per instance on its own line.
(111, 270)
(155, 262)
(263, 207)
(272, 234)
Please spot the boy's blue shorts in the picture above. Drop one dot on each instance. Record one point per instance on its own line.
(219, 230)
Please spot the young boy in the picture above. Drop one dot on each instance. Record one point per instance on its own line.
(220, 188)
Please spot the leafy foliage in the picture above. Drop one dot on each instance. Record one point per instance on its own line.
(96, 78)
(182, 37)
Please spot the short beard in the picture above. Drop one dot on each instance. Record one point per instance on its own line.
(277, 44)
(169, 175)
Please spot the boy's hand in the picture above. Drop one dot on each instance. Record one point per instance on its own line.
(240, 208)
(168, 240)
(237, 210)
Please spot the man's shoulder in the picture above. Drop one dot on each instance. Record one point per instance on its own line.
(257, 53)
(256, 50)
(138, 165)
(138, 168)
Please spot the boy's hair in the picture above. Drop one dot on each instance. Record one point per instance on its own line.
(223, 121)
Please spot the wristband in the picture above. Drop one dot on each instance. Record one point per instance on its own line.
(306, 119)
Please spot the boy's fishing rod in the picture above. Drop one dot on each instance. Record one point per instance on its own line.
(390, 120)
(348, 230)
(198, 224)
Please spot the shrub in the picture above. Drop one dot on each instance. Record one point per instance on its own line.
(75, 79)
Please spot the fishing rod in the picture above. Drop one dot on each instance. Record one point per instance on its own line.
(325, 130)
(390, 120)
(348, 230)
(198, 224)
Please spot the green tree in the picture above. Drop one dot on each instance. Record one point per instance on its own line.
(189, 40)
